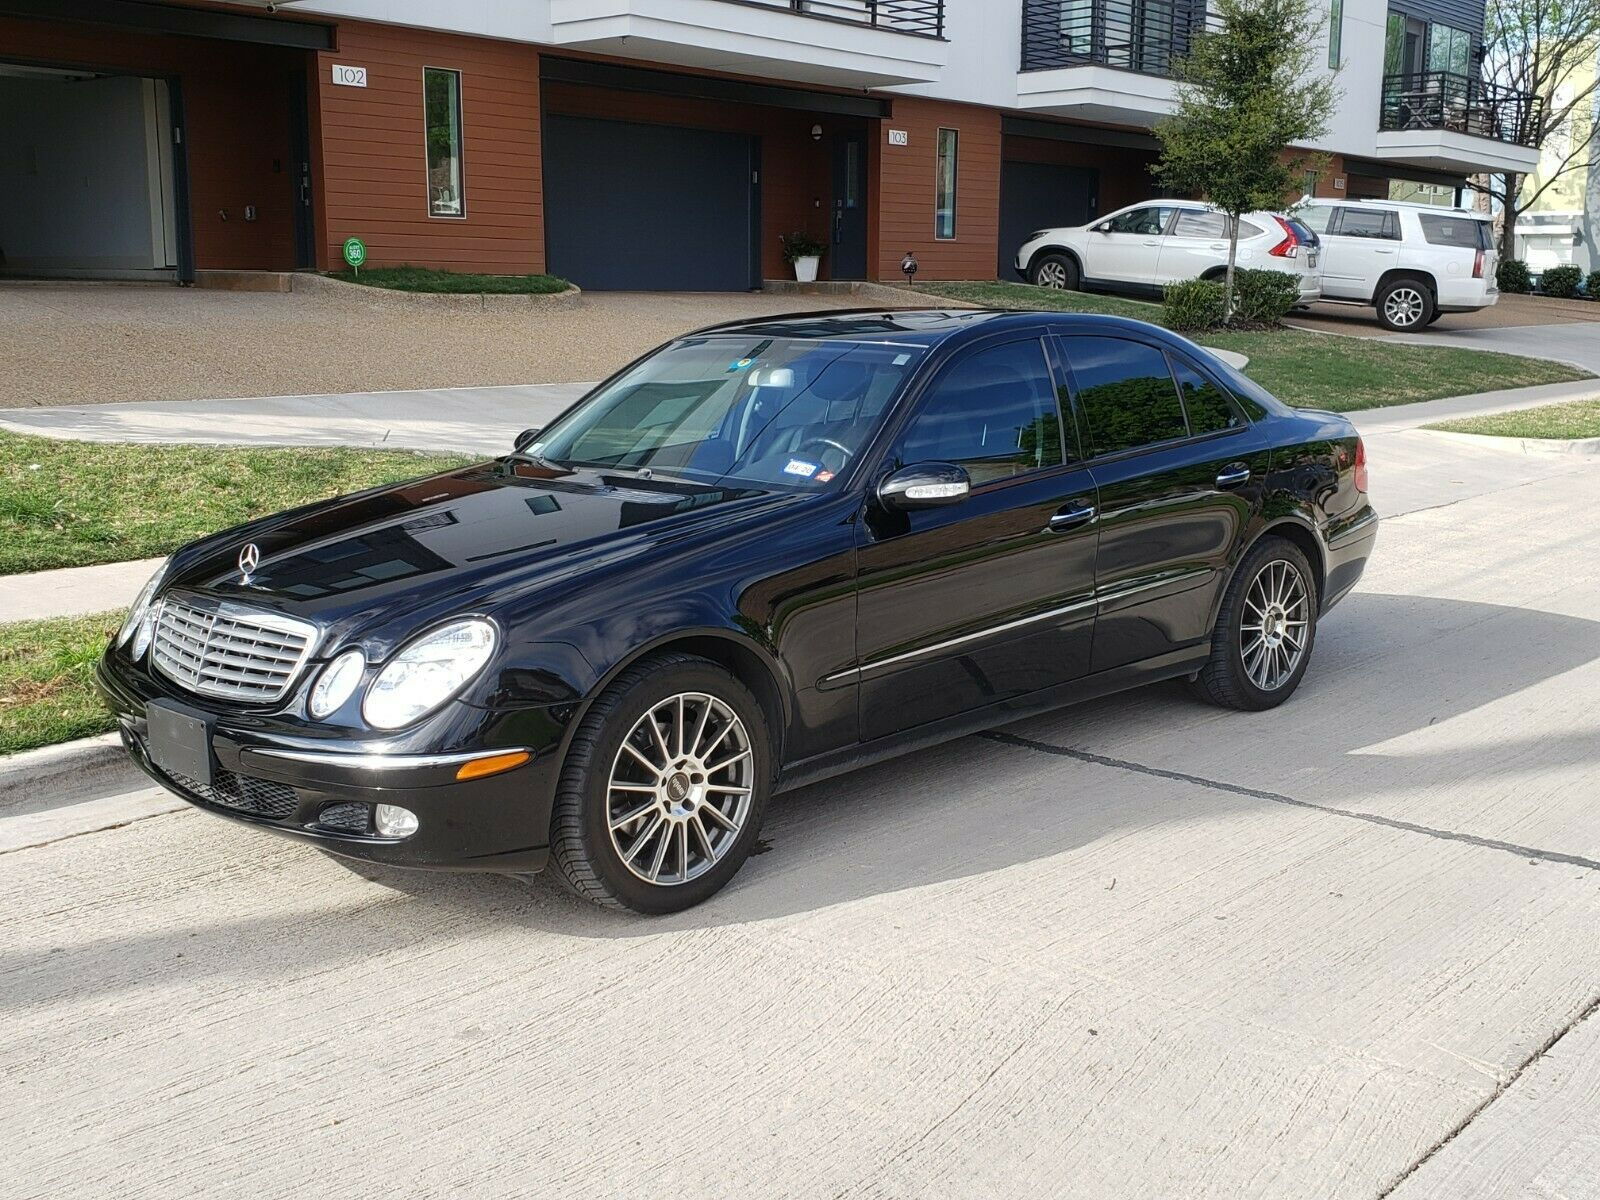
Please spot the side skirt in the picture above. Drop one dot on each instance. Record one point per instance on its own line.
(1118, 679)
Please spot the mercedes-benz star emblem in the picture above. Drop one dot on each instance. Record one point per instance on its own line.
(249, 560)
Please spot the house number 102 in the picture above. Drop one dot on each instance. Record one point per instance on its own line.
(349, 76)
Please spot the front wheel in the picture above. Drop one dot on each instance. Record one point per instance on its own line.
(1056, 271)
(1405, 304)
(661, 797)
(1264, 633)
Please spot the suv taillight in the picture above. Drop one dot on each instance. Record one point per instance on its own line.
(1361, 466)
(1477, 265)
(1290, 246)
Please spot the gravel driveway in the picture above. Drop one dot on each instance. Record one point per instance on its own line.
(78, 344)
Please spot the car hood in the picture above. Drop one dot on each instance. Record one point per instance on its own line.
(451, 543)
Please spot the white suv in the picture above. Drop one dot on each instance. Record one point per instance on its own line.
(1409, 261)
(1143, 247)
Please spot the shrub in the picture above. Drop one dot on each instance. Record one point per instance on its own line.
(1560, 281)
(1512, 276)
(1592, 285)
(801, 245)
(1194, 304)
(1263, 297)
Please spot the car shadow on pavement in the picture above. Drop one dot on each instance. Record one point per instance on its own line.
(964, 809)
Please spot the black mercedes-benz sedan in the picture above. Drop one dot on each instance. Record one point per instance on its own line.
(763, 554)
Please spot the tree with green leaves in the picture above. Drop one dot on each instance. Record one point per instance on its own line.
(1250, 88)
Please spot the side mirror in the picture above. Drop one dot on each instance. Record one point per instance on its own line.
(1099, 227)
(524, 439)
(924, 485)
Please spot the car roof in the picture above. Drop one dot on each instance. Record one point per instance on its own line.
(1447, 210)
(924, 326)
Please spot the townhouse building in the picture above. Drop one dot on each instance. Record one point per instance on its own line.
(651, 144)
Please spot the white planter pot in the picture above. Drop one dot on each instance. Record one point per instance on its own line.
(805, 269)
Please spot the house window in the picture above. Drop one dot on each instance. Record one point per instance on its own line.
(1335, 31)
(441, 104)
(1448, 49)
(944, 193)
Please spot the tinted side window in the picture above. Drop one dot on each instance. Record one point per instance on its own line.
(1207, 405)
(1125, 393)
(1249, 229)
(1316, 216)
(1368, 223)
(1455, 231)
(1149, 221)
(993, 412)
(1195, 224)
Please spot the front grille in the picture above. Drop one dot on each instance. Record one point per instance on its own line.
(218, 648)
(348, 818)
(243, 793)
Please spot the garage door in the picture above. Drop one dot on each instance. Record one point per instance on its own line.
(1039, 196)
(650, 207)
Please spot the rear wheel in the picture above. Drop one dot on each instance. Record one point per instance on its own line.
(1405, 304)
(662, 794)
(1264, 633)
(1056, 271)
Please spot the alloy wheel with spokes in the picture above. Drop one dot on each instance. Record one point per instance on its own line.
(1274, 632)
(679, 789)
(1405, 304)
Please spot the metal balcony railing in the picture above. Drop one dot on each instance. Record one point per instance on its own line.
(1461, 104)
(920, 18)
(1136, 35)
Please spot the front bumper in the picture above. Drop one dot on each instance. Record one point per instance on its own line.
(325, 794)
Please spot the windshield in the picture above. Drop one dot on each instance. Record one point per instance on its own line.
(787, 412)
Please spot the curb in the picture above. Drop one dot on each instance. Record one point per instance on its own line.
(63, 774)
(307, 283)
(1555, 446)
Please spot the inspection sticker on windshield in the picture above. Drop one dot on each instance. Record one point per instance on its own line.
(799, 466)
(740, 364)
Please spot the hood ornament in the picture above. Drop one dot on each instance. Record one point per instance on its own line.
(249, 560)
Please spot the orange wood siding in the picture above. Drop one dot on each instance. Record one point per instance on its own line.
(372, 181)
(236, 101)
(904, 177)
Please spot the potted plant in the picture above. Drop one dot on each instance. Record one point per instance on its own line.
(805, 252)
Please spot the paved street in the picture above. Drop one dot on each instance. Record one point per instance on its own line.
(1138, 948)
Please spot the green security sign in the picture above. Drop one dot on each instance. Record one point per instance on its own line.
(355, 252)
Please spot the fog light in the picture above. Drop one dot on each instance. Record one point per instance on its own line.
(396, 822)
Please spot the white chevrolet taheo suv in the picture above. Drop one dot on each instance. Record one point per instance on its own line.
(1146, 246)
(1411, 262)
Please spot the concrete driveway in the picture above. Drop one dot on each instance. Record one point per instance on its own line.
(1141, 948)
(1510, 311)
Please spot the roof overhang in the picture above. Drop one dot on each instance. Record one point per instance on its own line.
(1096, 93)
(1453, 153)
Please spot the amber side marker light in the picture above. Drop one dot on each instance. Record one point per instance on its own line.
(495, 764)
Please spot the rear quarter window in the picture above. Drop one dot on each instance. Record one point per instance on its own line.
(1466, 232)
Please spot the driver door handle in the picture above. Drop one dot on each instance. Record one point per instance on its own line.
(1073, 514)
(1233, 475)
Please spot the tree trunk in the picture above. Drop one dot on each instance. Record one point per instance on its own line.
(1233, 254)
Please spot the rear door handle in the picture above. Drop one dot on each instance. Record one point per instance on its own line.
(1233, 475)
(1075, 513)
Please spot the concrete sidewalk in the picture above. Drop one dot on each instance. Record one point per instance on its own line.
(73, 591)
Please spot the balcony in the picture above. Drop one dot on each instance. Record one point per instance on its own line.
(1104, 60)
(1455, 122)
(843, 43)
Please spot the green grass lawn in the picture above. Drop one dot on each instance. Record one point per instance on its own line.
(1575, 419)
(1308, 370)
(69, 504)
(427, 279)
(47, 680)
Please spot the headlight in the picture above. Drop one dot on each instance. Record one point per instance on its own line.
(336, 683)
(427, 672)
(142, 616)
(1037, 234)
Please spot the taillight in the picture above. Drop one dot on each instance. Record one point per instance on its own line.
(1290, 246)
(1361, 466)
(1477, 265)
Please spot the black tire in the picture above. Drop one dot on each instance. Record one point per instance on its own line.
(582, 852)
(1434, 316)
(1405, 304)
(1059, 271)
(1225, 679)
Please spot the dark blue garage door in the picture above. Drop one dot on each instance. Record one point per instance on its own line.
(1041, 196)
(650, 207)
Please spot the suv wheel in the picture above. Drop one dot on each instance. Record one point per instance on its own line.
(1056, 271)
(1405, 304)
(661, 797)
(1264, 633)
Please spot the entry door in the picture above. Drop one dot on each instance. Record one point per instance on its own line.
(991, 598)
(849, 240)
(305, 243)
(1041, 196)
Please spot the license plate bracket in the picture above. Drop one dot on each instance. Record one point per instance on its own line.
(180, 740)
